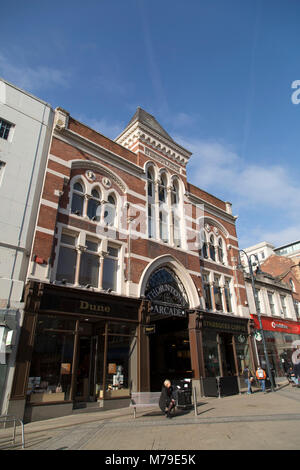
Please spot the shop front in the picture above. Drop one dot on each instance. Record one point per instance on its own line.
(78, 349)
(226, 350)
(282, 339)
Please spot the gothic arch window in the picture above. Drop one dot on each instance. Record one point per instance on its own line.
(212, 250)
(94, 205)
(162, 189)
(175, 193)
(151, 202)
(110, 211)
(220, 251)
(163, 209)
(150, 183)
(175, 209)
(77, 198)
(203, 245)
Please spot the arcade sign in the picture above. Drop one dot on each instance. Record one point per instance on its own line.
(158, 308)
(166, 294)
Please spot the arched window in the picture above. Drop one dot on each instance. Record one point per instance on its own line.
(220, 251)
(163, 210)
(175, 194)
(162, 189)
(175, 214)
(212, 250)
(110, 211)
(163, 226)
(203, 245)
(93, 205)
(77, 199)
(150, 183)
(151, 202)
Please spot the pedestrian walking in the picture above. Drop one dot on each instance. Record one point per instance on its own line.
(261, 377)
(248, 377)
(167, 398)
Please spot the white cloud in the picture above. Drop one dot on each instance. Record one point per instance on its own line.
(31, 78)
(271, 191)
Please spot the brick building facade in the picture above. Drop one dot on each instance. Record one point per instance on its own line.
(123, 241)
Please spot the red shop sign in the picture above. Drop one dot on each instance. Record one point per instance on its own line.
(283, 326)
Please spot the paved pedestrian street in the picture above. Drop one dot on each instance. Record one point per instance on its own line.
(243, 422)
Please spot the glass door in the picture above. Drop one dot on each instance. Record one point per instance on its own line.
(83, 369)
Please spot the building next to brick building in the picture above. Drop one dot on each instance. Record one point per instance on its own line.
(25, 132)
(132, 275)
(277, 284)
(279, 321)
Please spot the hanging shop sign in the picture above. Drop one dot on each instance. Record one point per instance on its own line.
(149, 329)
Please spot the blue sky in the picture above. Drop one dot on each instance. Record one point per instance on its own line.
(216, 74)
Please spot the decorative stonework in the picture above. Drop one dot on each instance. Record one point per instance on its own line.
(61, 119)
(97, 168)
(106, 182)
(90, 175)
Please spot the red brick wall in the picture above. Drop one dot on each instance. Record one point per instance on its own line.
(48, 216)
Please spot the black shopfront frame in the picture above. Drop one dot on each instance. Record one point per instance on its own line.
(225, 332)
(85, 308)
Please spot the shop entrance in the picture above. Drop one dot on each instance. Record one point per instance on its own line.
(169, 352)
(227, 355)
(86, 369)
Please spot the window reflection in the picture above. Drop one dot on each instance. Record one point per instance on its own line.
(52, 360)
(121, 358)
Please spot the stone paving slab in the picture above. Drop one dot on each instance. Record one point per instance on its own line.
(258, 421)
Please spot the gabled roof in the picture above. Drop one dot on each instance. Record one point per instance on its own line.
(145, 118)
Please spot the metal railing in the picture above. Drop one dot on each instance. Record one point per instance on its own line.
(9, 418)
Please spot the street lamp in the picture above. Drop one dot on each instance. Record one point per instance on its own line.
(250, 265)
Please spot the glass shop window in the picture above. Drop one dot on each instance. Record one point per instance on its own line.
(52, 360)
(121, 360)
(243, 353)
(210, 352)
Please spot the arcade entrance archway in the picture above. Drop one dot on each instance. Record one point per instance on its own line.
(169, 346)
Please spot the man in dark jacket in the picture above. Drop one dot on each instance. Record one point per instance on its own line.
(167, 398)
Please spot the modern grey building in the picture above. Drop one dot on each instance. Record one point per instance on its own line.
(25, 135)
